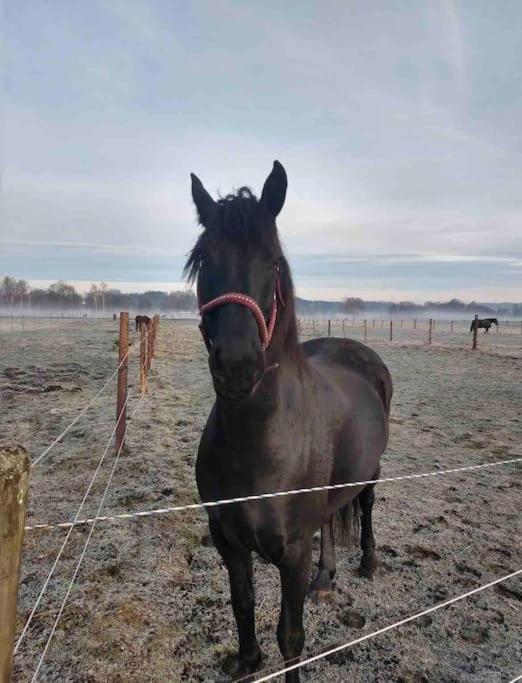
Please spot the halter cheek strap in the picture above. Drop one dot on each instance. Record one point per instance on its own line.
(266, 331)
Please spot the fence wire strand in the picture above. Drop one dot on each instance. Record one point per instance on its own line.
(380, 631)
(263, 496)
(84, 550)
(66, 539)
(81, 414)
(84, 410)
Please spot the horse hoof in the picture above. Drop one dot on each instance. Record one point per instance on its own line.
(367, 568)
(240, 669)
(321, 595)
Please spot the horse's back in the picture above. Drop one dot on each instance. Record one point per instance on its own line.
(355, 356)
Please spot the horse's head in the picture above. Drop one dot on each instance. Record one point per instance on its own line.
(236, 261)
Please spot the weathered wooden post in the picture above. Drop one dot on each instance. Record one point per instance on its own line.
(156, 330)
(150, 343)
(452, 327)
(430, 331)
(365, 330)
(329, 328)
(401, 323)
(143, 358)
(123, 365)
(414, 323)
(382, 323)
(391, 330)
(373, 324)
(344, 333)
(475, 332)
(14, 483)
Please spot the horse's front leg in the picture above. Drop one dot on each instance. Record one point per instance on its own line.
(295, 573)
(239, 565)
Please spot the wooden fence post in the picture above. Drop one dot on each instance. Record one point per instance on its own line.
(414, 323)
(123, 363)
(150, 342)
(391, 330)
(344, 333)
(373, 323)
(365, 330)
(156, 329)
(329, 327)
(475, 332)
(452, 327)
(430, 332)
(144, 352)
(14, 483)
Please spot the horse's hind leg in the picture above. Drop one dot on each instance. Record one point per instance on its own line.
(369, 559)
(322, 584)
(239, 565)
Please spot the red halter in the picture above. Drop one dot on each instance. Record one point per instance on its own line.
(265, 331)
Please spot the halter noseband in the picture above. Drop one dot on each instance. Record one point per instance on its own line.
(265, 331)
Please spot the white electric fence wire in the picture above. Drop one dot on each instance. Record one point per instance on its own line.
(263, 496)
(77, 569)
(81, 414)
(380, 631)
(66, 539)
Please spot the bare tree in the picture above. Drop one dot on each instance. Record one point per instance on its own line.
(94, 292)
(21, 290)
(353, 305)
(103, 289)
(8, 289)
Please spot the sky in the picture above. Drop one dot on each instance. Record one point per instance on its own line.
(398, 124)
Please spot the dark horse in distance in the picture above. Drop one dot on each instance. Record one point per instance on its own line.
(286, 416)
(485, 323)
(142, 319)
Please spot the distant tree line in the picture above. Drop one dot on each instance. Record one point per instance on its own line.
(355, 306)
(17, 296)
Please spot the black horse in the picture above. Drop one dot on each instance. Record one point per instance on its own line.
(485, 323)
(286, 416)
(142, 319)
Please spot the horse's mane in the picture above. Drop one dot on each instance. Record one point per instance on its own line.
(240, 217)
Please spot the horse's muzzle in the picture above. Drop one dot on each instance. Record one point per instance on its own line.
(237, 386)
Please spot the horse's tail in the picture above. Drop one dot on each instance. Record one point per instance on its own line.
(346, 523)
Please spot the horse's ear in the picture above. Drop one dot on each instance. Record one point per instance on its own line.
(204, 203)
(274, 190)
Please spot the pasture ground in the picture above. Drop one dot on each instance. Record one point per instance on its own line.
(151, 602)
